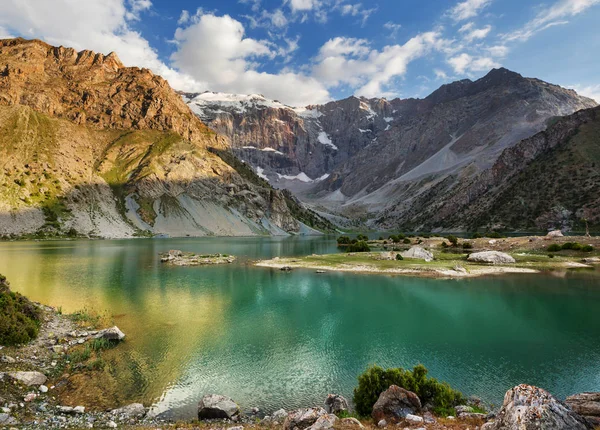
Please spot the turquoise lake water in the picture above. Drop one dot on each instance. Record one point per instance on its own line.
(272, 339)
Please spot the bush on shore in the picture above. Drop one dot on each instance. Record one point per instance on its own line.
(375, 380)
(570, 246)
(19, 318)
(360, 246)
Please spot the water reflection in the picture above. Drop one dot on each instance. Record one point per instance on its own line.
(274, 339)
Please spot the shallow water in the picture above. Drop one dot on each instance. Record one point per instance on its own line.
(273, 339)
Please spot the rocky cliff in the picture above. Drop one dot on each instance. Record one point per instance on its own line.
(88, 146)
(378, 160)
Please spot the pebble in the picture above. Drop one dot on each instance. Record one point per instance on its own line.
(111, 424)
(43, 389)
(30, 397)
(382, 423)
(413, 418)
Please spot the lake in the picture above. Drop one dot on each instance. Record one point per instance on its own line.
(272, 339)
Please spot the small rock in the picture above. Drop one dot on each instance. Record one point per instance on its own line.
(112, 333)
(30, 397)
(555, 233)
(65, 409)
(324, 422)
(8, 359)
(382, 423)
(303, 418)
(79, 410)
(6, 419)
(29, 378)
(334, 404)
(236, 428)
(254, 411)
(111, 424)
(135, 410)
(461, 409)
(395, 403)
(351, 422)
(279, 415)
(414, 419)
(286, 269)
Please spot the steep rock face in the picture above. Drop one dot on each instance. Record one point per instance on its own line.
(551, 180)
(292, 144)
(380, 160)
(92, 147)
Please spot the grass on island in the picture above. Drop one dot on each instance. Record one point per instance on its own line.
(20, 319)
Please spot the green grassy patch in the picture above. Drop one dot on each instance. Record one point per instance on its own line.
(20, 319)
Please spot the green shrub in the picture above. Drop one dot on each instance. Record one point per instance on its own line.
(453, 240)
(399, 257)
(362, 237)
(572, 246)
(394, 238)
(495, 235)
(360, 246)
(380, 237)
(444, 245)
(19, 318)
(467, 245)
(476, 236)
(375, 380)
(587, 248)
(406, 241)
(343, 240)
(555, 247)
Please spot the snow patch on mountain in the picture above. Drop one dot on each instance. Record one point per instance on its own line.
(324, 139)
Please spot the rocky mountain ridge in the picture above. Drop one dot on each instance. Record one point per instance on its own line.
(359, 158)
(91, 147)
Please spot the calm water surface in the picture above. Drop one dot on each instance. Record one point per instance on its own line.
(274, 339)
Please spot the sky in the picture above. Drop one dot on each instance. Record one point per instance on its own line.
(304, 52)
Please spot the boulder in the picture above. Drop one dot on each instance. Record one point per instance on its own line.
(112, 333)
(279, 415)
(334, 404)
(395, 403)
(29, 378)
(527, 408)
(7, 420)
(587, 405)
(591, 260)
(413, 419)
(324, 422)
(135, 410)
(491, 257)
(555, 233)
(214, 406)
(419, 253)
(303, 418)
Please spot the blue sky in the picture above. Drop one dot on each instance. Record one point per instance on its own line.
(312, 51)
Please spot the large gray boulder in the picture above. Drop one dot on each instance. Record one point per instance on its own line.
(334, 404)
(418, 253)
(215, 406)
(530, 408)
(29, 378)
(303, 418)
(394, 404)
(491, 257)
(324, 422)
(555, 233)
(587, 405)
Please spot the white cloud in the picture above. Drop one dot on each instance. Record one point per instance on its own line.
(471, 33)
(393, 28)
(468, 9)
(498, 51)
(591, 91)
(5, 34)
(440, 74)
(345, 61)
(303, 5)
(551, 16)
(215, 52)
(465, 63)
(184, 17)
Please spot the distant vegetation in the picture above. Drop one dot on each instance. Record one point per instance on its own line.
(359, 246)
(570, 246)
(19, 318)
(354, 245)
(375, 380)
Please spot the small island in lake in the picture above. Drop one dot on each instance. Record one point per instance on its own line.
(180, 258)
(451, 257)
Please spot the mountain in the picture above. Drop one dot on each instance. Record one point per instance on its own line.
(377, 160)
(88, 146)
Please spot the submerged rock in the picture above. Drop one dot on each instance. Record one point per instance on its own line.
(587, 405)
(135, 410)
(303, 418)
(419, 253)
(395, 403)
(491, 257)
(215, 406)
(527, 408)
(334, 404)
